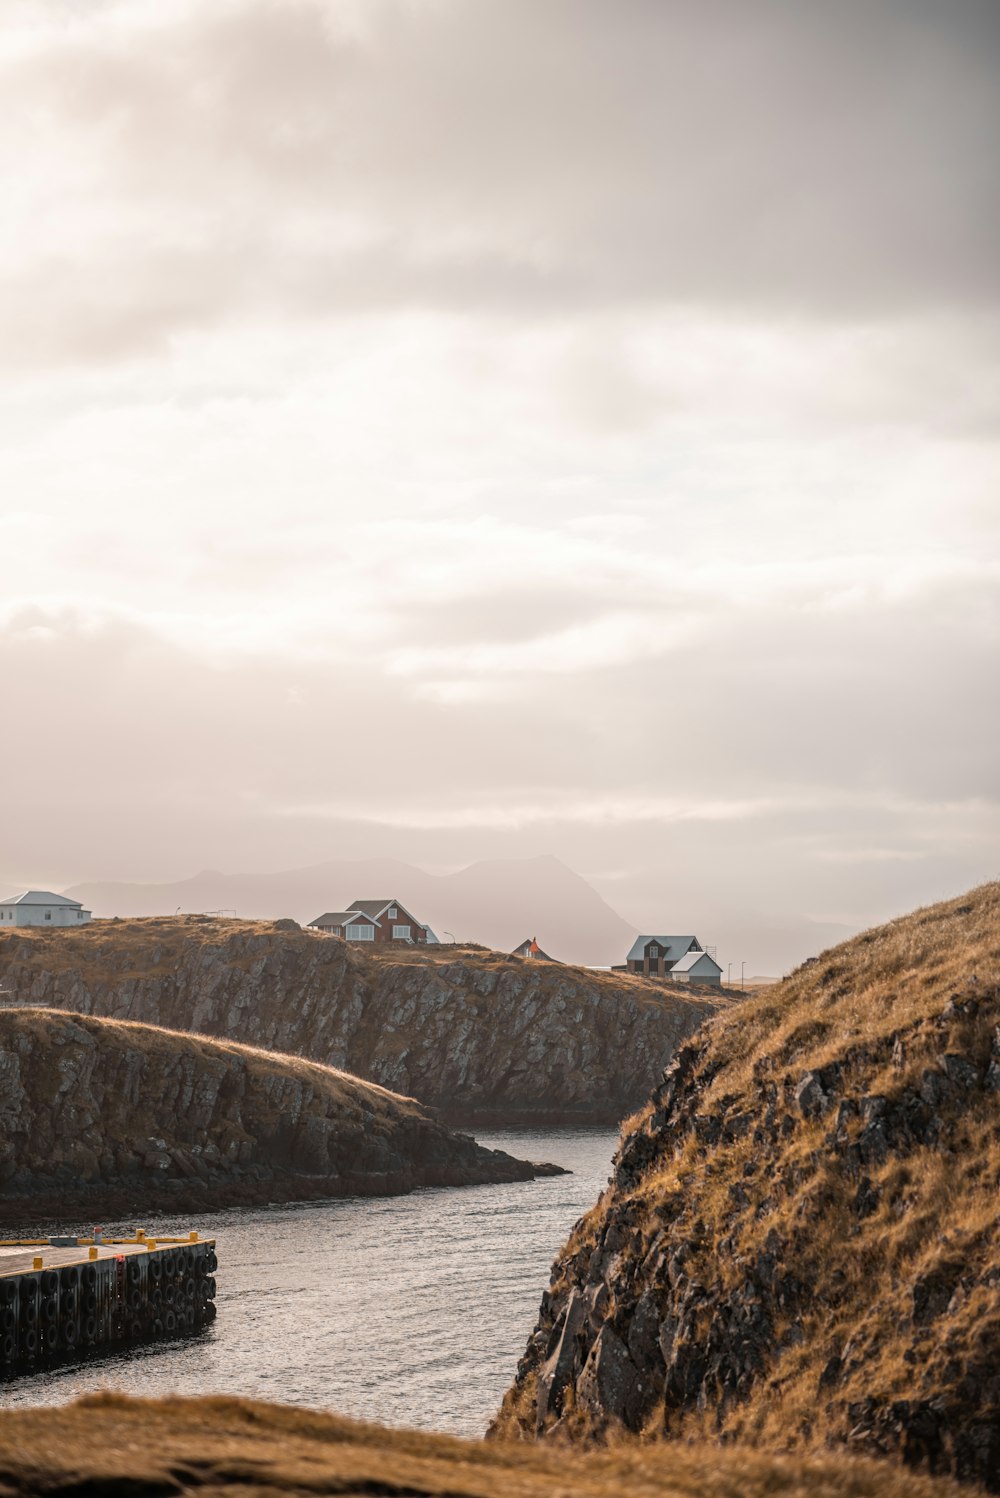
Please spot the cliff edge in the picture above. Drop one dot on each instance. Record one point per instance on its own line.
(485, 1038)
(799, 1245)
(109, 1117)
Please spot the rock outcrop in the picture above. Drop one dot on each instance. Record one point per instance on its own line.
(799, 1246)
(482, 1037)
(98, 1116)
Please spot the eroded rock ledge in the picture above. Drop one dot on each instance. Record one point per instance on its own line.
(98, 1116)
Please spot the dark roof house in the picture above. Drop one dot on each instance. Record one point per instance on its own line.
(376, 921)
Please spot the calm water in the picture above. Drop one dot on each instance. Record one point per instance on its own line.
(409, 1310)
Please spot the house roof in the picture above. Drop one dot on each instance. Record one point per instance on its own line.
(690, 959)
(673, 946)
(41, 897)
(530, 948)
(374, 908)
(369, 910)
(334, 918)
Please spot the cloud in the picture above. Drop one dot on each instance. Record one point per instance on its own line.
(179, 165)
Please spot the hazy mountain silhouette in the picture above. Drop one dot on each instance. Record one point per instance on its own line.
(498, 903)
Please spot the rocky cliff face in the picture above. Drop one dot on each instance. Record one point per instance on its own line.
(98, 1116)
(482, 1037)
(799, 1246)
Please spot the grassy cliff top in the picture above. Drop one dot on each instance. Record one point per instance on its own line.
(135, 947)
(53, 1030)
(109, 1444)
(885, 979)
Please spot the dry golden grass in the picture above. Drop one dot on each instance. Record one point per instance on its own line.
(867, 988)
(108, 1444)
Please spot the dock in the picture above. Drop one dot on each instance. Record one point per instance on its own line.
(63, 1297)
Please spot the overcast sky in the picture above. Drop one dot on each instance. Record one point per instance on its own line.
(474, 428)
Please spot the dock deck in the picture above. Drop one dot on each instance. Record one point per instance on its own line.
(59, 1298)
(19, 1259)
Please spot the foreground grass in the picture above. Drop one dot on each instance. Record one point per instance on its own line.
(108, 1444)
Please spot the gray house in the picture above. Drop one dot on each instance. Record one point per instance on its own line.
(682, 959)
(40, 907)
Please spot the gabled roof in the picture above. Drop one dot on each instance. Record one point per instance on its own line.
(42, 897)
(530, 948)
(688, 961)
(375, 908)
(335, 918)
(673, 946)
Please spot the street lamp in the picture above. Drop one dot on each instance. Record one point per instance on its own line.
(742, 966)
(452, 935)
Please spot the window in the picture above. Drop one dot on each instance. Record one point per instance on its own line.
(336, 930)
(400, 933)
(48, 915)
(654, 951)
(360, 931)
(393, 912)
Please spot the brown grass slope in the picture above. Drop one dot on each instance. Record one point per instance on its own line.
(106, 1115)
(115, 1447)
(482, 1036)
(799, 1245)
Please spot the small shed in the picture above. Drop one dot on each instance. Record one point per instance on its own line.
(530, 948)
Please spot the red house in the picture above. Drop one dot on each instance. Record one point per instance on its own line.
(377, 921)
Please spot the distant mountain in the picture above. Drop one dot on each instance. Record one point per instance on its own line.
(497, 903)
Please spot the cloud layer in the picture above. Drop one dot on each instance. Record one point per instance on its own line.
(464, 428)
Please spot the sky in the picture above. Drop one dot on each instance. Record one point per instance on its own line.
(459, 429)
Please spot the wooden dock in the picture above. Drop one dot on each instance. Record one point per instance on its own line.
(60, 1298)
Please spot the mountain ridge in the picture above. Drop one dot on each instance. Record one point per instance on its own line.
(496, 902)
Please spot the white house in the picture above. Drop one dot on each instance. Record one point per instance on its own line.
(40, 907)
(680, 958)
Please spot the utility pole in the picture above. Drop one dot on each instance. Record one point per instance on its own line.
(729, 976)
(742, 966)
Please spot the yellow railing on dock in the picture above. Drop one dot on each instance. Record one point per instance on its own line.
(139, 1237)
